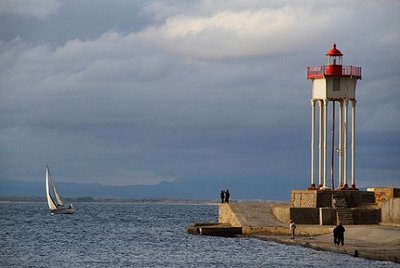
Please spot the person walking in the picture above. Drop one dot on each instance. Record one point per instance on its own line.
(335, 236)
(227, 195)
(222, 196)
(292, 228)
(339, 230)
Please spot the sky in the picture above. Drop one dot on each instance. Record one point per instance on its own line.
(143, 92)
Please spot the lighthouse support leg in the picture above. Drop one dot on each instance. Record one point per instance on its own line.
(312, 187)
(333, 147)
(325, 141)
(345, 186)
(340, 145)
(321, 121)
(353, 145)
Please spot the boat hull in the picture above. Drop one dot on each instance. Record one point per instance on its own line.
(63, 211)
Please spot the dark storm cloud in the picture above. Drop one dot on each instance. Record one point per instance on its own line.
(198, 91)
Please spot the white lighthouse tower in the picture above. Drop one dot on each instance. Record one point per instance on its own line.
(333, 83)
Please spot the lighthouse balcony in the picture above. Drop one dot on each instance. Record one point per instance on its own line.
(318, 72)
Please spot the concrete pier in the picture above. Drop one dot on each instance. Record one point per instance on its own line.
(258, 219)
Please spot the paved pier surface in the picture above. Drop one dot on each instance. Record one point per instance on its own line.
(369, 241)
(255, 214)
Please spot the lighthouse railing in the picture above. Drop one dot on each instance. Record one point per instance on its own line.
(351, 71)
(321, 71)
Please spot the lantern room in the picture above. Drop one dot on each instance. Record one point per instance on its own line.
(334, 66)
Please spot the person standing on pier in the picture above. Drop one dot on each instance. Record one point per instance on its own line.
(227, 195)
(292, 227)
(222, 197)
(335, 236)
(339, 230)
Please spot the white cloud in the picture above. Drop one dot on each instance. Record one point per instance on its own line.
(239, 33)
(40, 9)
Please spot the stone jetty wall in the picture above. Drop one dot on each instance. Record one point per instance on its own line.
(323, 199)
(390, 211)
(226, 216)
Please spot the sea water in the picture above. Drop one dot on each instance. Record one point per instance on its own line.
(141, 235)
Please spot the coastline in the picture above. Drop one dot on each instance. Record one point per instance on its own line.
(374, 242)
(35, 199)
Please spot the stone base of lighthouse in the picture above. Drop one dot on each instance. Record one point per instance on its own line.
(329, 207)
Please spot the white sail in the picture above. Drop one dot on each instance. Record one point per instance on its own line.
(58, 198)
(53, 198)
(50, 201)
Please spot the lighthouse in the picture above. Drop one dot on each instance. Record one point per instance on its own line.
(327, 203)
(333, 83)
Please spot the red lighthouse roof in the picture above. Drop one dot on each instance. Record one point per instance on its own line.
(334, 68)
(334, 51)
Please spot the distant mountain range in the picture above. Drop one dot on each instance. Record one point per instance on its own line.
(185, 190)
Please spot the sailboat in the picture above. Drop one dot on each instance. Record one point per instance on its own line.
(54, 201)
